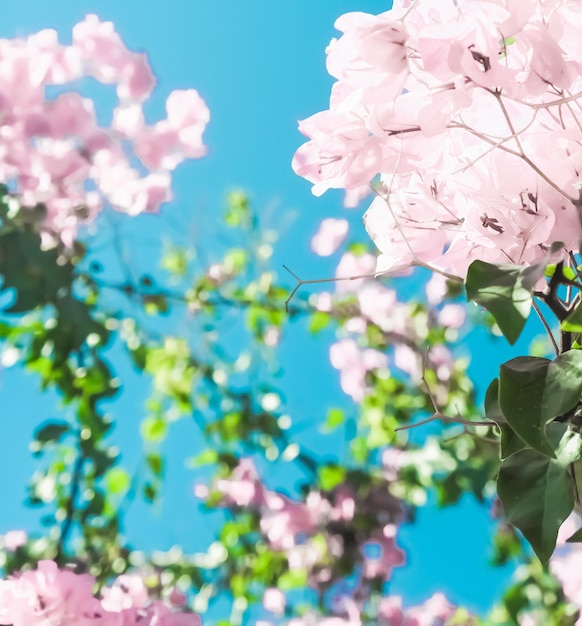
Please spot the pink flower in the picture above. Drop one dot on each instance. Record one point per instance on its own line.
(53, 151)
(14, 539)
(381, 555)
(436, 288)
(350, 268)
(329, 236)
(454, 106)
(127, 592)
(283, 520)
(353, 363)
(452, 315)
(48, 595)
(243, 487)
(274, 601)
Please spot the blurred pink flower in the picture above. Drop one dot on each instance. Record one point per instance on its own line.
(329, 236)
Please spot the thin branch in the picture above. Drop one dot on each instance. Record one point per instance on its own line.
(301, 282)
(134, 290)
(438, 416)
(444, 418)
(546, 326)
(523, 157)
(71, 503)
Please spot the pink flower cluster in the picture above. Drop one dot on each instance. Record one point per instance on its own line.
(338, 517)
(405, 331)
(436, 611)
(470, 111)
(49, 596)
(296, 528)
(53, 151)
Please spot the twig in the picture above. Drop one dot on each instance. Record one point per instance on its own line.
(301, 282)
(546, 326)
(438, 416)
(71, 503)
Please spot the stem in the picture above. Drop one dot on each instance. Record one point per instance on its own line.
(68, 521)
(546, 326)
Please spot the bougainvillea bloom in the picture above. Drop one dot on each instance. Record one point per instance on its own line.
(465, 114)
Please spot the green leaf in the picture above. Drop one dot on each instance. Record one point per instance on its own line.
(36, 274)
(331, 476)
(521, 396)
(505, 291)
(117, 480)
(492, 408)
(153, 429)
(537, 492)
(573, 323)
(318, 321)
(238, 213)
(335, 417)
(511, 443)
(567, 272)
(175, 261)
(563, 386)
(150, 493)
(52, 432)
(156, 464)
(534, 391)
(206, 457)
(576, 537)
(292, 579)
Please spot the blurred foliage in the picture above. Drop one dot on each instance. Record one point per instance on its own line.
(57, 323)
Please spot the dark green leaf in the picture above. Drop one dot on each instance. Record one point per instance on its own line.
(510, 441)
(521, 396)
(537, 492)
(492, 408)
(155, 463)
(33, 272)
(534, 391)
(52, 432)
(563, 385)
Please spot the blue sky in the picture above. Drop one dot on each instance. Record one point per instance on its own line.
(260, 66)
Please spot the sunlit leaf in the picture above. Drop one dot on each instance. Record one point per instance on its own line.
(505, 291)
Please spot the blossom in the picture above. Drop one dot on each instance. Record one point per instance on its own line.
(54, 153)
(274, 601)
(14, 539)
(353, 363)
(329, 236)
(454, 108)
(49, 595)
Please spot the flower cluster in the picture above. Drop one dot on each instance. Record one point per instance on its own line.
(55, 155)
(331, 534)
(470, 113)
(49, 595)
(297, 528)
(403, 328)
